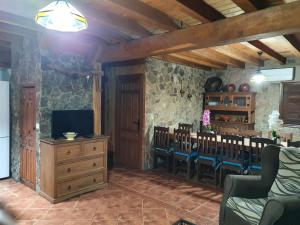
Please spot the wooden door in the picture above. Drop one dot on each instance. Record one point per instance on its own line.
(129, 121)
(28, 136)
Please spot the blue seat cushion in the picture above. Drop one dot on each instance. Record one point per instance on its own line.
(254, 167)
(193, 154)
(234, 164)
(161, 149)
(214, 160)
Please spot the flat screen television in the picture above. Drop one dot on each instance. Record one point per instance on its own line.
(79, 121)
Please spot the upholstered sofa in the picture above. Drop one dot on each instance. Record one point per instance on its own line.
(273, 198)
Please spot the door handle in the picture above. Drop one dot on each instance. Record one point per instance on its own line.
(137, 123)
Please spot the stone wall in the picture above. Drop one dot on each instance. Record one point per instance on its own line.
(54, 90)
(61, 91)
(164, 104)
(25, 68)
(268, 94)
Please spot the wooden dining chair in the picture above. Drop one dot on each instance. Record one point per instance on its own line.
(208, 162)
(184, 155)
(228, 131)
(256, 145)
(284, 136)
(294, 144)
(161, 146)
(186, 126)
(250, 133)
(232, 155)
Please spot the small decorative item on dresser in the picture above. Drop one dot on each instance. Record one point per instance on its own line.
(206, 120)
(70, 135)
(230, 87)
(244, 87)
(213, 84)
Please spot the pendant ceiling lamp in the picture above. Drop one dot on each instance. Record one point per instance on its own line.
(61, 16)
(259, 77)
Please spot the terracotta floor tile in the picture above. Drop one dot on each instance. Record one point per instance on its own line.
(106, 215)
(132, 197)
(106, 222)
(130, 214)
(154, 214)
(31, 214)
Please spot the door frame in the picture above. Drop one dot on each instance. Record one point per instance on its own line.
(28, 85)
(142, 117)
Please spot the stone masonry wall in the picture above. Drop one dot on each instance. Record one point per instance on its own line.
(164, 104)
(62, 91)
(26, 68)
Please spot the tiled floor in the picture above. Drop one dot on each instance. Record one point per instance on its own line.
(133, 198)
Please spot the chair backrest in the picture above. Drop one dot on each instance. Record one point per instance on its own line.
(284, 136)
(161, 137)
(256, 146)
(250, 133)
(228, 131)
(182, 140)
(186, 126)
(294, 144)
(232, 148)
(207, 144)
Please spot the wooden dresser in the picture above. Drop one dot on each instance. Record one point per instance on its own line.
(70, 168)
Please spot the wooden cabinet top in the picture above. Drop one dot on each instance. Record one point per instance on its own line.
(76, 140)
(230, 93)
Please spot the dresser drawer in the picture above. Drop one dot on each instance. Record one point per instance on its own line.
(67, 152)
(93, 148)
(78, 184)
(79, 167)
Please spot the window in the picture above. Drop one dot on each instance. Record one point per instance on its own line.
(290, 103)
(277, 75)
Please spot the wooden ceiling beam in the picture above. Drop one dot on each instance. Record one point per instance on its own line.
(249, 6)
(200, 59)
(212, 15)
(174, 59)
(245, 5)
(200, 7)
(115, 21)
(294, 41)
(237, 54)
(264, 24)
(219, 57)
(139, 11)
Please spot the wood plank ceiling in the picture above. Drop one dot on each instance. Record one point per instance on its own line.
(112, 22)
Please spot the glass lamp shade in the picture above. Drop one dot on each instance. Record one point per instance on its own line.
(61, 16)
(258, 77)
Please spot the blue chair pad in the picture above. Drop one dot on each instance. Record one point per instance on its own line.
(193, 154)
(214, 160)
(235, 164)
(255, 167)
(161, 149)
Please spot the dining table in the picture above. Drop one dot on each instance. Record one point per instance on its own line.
(246, 139)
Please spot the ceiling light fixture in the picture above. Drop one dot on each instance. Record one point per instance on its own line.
(61, 16)
(259, 77)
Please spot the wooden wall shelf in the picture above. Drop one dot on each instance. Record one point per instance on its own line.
(231, 109)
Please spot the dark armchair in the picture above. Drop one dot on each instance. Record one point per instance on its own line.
(247, 199)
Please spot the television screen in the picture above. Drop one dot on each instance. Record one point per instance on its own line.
(79, 121)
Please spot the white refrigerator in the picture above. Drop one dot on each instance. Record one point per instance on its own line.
(4, 129)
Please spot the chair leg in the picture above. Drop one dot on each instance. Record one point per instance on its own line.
(155, 162)
(174, 165)
(168, 163)
(221, 176)
(188, 174)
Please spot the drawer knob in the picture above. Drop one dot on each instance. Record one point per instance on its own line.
(94, 180)
(69, 187)
(69, 170)
(94, 164)
(94, 148)
(68, 152)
